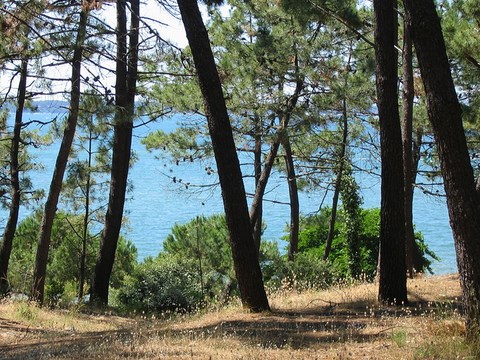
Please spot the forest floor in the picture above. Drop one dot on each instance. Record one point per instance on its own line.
(344, 322)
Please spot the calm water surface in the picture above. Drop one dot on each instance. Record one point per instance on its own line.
(157, 203)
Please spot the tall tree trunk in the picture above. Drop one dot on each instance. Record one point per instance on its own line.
(245, 258)
(294, 201)
(444, 111)
(407, 128)
(41, 258)
(392, 269)
(257, 227)
(417, 256)
(86, 218)
(125, 90)
(338, 180)
(9, 232)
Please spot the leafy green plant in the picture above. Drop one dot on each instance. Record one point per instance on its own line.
(314, 231)
(166, 283)
(63, 263)
(307, 272)
(204, 241)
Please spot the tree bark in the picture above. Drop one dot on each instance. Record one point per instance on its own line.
(257, 227)
(294, 201)
(267, 169)
(86, 218)
(41, 258)
(10, 228)
(125, 90)
(416, 156)
(338, 180)
(407, 129)
(245, 258)
(444, 111)
(392, 269)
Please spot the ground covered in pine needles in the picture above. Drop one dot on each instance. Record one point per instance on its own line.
(344, 322)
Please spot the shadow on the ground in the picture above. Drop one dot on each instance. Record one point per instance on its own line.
(351, 321)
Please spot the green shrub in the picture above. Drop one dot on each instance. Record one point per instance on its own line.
(167, 283)
(63, 259)
(307, 272)
(313, 236)
(204, 241)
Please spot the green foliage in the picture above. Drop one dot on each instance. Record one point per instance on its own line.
(27, 162)
(399, 337)
(27, 311)
(307, 272)
(351, 203)
(313, 235)
(167, 283)
(322, 10)
(63, 261)
(204, 241)
(187, 143)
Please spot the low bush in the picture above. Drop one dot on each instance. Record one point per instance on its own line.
(307, 272)
(313, 236)
(164, 284)
(63, 273)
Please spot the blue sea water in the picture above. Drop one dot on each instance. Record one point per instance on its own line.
(157, 202)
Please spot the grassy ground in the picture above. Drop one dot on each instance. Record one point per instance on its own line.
(339, 323)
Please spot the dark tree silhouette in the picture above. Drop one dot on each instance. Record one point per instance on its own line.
(125, 90)
(444, 111)
(10, 228)
(245, 258)
(392, 268)
(41, 258)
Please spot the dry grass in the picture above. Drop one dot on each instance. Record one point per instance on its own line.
(339, 323)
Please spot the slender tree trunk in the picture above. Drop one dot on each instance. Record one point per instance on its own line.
(294, 201)
(257, 228)
(9, 232)
(267, 169)
(41, 258)
(86, 217)
(245, 258)
(125, 90)
(256, 206)
(392, 269)
(416, 156)
(338, 180)
(444, 111)
(333, 217)
(407, 129)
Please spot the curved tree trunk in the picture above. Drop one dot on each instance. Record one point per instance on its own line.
(267, 169)
(41, 258)
(10, 228)
(261, 183)
(294, 201)
(245, 258)
(392, 269)
(444, 111)
(125, 90)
